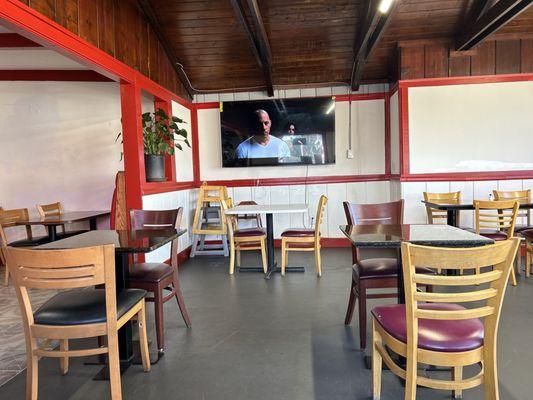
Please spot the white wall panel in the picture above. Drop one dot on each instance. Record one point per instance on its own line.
(483, 189)
(509, 185)
(368, 127)
(414, 210)
(280, 195)
(475, 119)
(438, 187)
(314, 193)
(356, 192)
(395, 134)
(184, 166)
(377, 192)
(298, 195)
(467, 194)
(395, 190)
(334, 209)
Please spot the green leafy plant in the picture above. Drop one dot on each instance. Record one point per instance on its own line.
(161, 134)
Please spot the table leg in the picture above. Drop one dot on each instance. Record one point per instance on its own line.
(401, 289)
(52, 232)
(270, 246)
(92, 224)
(125, 333)
(451, 217)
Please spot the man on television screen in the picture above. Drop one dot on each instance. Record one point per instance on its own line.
(261, 144)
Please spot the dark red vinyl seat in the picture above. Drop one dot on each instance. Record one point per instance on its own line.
(434, 335)
(381, 268)
(298, 233)
(150, 272)
(491, 234)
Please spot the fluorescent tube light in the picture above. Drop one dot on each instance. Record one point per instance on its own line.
(331, 107)
(384, 6)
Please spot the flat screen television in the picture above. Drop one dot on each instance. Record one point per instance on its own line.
(278, 132)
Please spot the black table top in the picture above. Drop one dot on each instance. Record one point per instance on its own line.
(125, 241)
(391, 236)
(67, 217)
(463, 205)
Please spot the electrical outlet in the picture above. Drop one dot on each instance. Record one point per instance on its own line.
(349, 154)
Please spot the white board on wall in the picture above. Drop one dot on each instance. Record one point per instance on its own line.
(476, 127)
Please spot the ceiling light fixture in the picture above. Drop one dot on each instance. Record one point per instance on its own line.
(384, 6)
(331, 107)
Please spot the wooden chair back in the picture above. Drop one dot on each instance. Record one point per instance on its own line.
(159, 219)
(231, 220)
(247, 217)
(438, 216)
(488, 300)
(320, 215)
(49, 210)
(497, 215)
(119, 215)
(9, 218)
(522, 196)
(62, 269)
(370, 214)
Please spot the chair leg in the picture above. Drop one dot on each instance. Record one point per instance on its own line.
(318, 260)
(159, 319)
(263, 256)
(238, 258)
(513, 276)
(490, 372)
(351, 303)
(362, 315)
(181, 301)
(6, 276)
(284, 256)
(32, 370)
(143, 338)
(114, 366)
(377, 363)
(457, 375)
(63, 361)
(528, 261)
(411, 375)
(232, 258)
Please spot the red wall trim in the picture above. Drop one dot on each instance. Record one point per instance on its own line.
(207, 106)
(466, 80)
(361, 97)
(16, 40)
(52, 75)
(301, 180)
(165, 187)
(469, 176)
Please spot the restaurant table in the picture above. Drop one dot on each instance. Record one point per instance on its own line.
(127, 242)
(67, 217)
(269, 210)
(392, 236)
(452, 209)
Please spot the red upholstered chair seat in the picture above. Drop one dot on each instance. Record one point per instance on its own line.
(382, 268)
(298, 233)
(150, 272)
(491, 234)
(246, 232)
(436, 335)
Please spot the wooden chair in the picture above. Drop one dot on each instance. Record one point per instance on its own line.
(247, 217)
(431, 329)
(9, 219)
(496, 220)
(441, 216)
(157, 277)
(74, 313)
(373, 273)
(245, 239)
(528, 235)
(54, 210)
(304, 239)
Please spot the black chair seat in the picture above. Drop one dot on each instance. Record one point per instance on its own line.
(372, 268)
(36, 241)
(149, 272)
(67, 234)
(81, 307)
(522, 228)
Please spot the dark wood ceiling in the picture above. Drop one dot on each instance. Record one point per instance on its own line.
(311, 41)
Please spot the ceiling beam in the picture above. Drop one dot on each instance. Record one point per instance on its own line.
(16, 40)
(491, 20)
(259, 45)
(372, 30)
(151, 17)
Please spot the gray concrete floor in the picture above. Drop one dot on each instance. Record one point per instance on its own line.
(277, 339)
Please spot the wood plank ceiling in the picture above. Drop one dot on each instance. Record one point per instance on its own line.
(311, 41)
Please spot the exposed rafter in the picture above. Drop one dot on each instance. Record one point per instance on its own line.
(477, 9)
(369, 36)
(149, 13)
(492, 19)
(259, 42)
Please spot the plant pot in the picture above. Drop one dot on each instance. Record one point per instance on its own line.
(155, 167)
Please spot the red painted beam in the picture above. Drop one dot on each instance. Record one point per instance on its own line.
(16, 40)
(53, 75)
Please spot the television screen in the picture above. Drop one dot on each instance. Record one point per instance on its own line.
(278, 132)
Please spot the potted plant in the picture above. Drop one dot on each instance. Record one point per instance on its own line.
(161, 134)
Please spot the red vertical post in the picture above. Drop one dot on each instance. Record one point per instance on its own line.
(195, 143)
(170, 161)
(135, 175)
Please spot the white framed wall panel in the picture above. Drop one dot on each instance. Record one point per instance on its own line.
(183, 159)
(395, 134)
